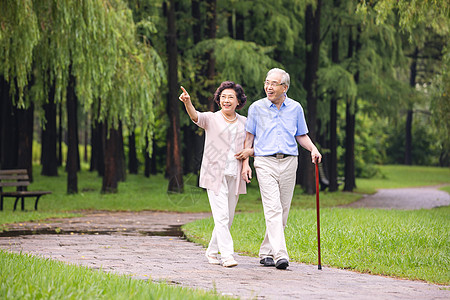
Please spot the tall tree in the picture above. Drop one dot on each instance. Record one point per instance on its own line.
(350, 120)
(312, 40)
(194, 142)
(72, 140)
(333, 184)
(9, 130)
(174, 166)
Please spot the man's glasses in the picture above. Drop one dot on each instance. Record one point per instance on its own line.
(272, 83)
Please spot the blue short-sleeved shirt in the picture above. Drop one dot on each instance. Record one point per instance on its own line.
(275, 130)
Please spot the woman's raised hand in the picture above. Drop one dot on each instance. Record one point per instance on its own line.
(184, 97)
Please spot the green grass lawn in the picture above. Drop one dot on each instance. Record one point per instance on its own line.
(28, 277)
(396, 176)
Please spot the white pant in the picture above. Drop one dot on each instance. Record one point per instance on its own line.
(276, 178)
(223, 206)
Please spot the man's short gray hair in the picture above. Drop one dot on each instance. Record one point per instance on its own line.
(285, 78)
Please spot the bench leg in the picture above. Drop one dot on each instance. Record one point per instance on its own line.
(36, 203)
(22, 203)
(15, 203)
(1, 202)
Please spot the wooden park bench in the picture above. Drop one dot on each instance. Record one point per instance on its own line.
(20, 180)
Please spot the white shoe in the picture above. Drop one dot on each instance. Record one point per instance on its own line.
(229, 262)
(213, 260)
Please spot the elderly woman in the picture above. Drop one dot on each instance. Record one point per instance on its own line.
(221, 167)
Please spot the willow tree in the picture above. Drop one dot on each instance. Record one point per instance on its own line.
(87, 49)
(19, 34)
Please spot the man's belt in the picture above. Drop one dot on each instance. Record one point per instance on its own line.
(281, 155)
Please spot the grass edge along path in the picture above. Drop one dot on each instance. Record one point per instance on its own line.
(24, 276)
(404, 244)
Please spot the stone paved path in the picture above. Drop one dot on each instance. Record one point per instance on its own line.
(133, 243)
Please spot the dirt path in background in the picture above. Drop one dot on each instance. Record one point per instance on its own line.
(147, 245)
(406, 198)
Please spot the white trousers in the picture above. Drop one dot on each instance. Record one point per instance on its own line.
(223, 206)
(276, 178)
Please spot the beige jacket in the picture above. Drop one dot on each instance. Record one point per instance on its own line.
(217, 145)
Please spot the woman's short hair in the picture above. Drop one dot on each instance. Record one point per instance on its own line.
(240, 95)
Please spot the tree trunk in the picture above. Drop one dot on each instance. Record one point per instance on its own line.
(409, 115)
(211, 23)
(49, 158)
(333, 116)
(86, 138)
(350, 182)
(188, 149)
(72, 140)
(197, 25)
(236, 25)
(60, 133)
(174, 168)
(197, 30)
(333, 172)
(132, 156)
(9, 127)
(77, 149)
(147, 158)
(25, 149)
(240, 26)
(94, 147)
(312, 40)
(97, 155)
(350, 118)
(120, 155)
(151, 161)
(408, 137)
(230, 25)
(112, 153)
(100, 149)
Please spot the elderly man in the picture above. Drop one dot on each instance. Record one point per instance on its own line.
(274, 126)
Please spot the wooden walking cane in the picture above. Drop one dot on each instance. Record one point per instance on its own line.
(318, 213)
